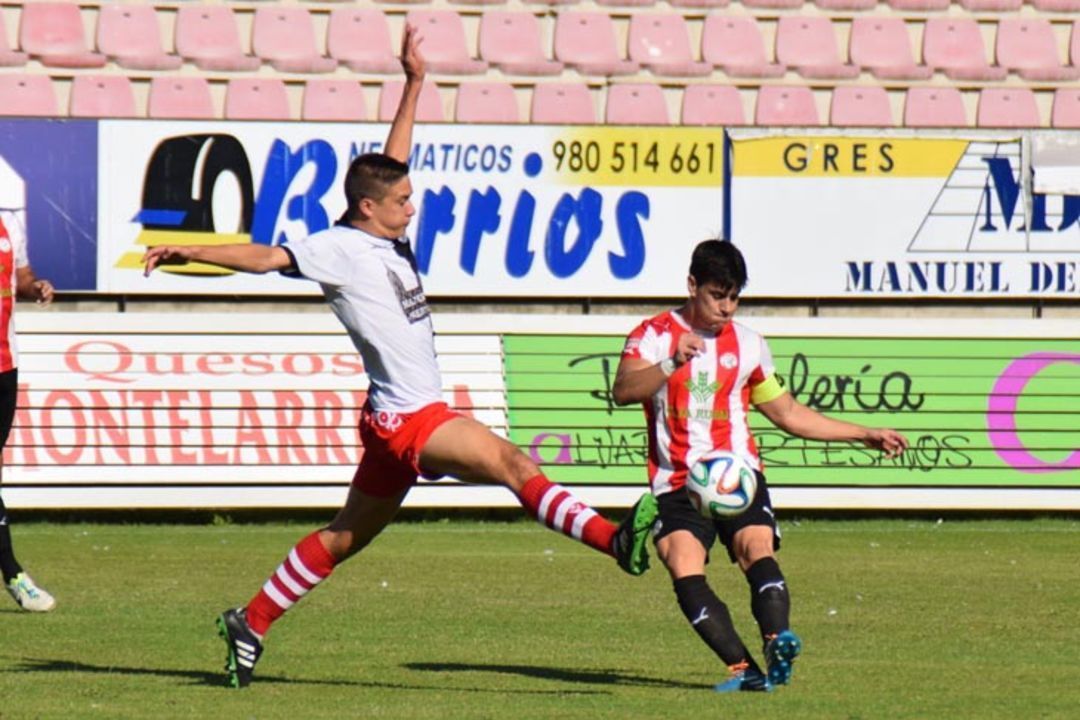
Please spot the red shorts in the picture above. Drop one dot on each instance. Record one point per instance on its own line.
(392, 444)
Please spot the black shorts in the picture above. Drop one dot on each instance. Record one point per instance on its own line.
(9, 393)
(676, 513)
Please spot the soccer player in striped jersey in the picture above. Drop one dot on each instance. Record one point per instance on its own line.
(696, 372)
(370, 280)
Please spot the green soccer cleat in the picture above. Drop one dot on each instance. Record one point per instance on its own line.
(244, 647)
(28, 595)
(780, 653)
(628, 545)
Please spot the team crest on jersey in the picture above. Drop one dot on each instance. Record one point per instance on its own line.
(413, 302)
(728, 360)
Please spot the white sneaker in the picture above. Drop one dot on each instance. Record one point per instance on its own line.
(28, 595)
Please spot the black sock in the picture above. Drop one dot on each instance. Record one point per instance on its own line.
(769, 599)
(8, 565)
(710, 618)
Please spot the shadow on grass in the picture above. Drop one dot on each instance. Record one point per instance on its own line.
(591, 677)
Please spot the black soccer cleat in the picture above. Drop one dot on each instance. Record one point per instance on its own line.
(244, 647)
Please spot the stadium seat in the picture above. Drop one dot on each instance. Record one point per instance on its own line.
(626, 3)
(1056, 5)
(563, 104)
(477, 2)
(130, 36)
(955, 46)
(717, 105)
(919, 5)
(1028, 47)
(734, 44)
(102, 96)
(429, 108)
(661, 42)
(445, 49)
(773, 4)
(991, 5)
(29, 95)
(846, 4)
(181, 98)
(284, 36)
(207, 35)
(860, 106)
(934, 107)
(511, 41)
(586, 41)
(785, 105)
(699, 4)
(636, 104)
(9, 57)
(1074, 45)
(882, 45)
(486, 102)
(1007, 108)
(808, 44)
(1066, 110)
(326, 99)
(53, 34)
(359, 37)
(256, 99)
(552, 2)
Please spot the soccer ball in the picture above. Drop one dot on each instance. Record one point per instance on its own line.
(721, 484)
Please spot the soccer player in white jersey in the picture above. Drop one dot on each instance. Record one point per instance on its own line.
(696, 372)
(369, 278)
(17, 280)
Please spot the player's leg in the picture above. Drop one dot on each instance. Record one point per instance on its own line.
(681, 543)
(467, 450)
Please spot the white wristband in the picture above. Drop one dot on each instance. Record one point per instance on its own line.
(667, 366)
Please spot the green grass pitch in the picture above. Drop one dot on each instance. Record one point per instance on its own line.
(462, 619)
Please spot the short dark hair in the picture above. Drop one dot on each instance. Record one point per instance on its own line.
(370, 176)
(718, 262)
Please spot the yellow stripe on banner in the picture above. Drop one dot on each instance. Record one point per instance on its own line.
(177, 237)
(636, 156)
(133, 261)
(822, 156)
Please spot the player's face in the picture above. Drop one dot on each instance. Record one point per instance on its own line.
(391, 214)
(711, 306)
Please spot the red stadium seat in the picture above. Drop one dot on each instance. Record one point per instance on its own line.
(256, 99)
(563, 104)
(934, 107)
(860, 106)
(129, 34)
(445, 49)
(717, 105)
(808, 44)
(429, 108)
(734, 44)
(636, 104)
(661, 42)
(284, 36)
(786, 105)
(1007, 108)
(326, 99)
(207, 35)
(486, 102)
(53, 34)
(511, 41)
(955, 46)
(102, 96)
(1028, 47)
(30, 95)
(181, 98)
(882, 45)
(1066, 111)
(586, 41)
(359, 37)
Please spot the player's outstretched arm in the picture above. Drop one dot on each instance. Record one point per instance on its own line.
(792, 416)
(243, 257)
(399, 142)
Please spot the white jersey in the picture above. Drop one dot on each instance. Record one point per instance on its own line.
(12, 255)
(373, 287)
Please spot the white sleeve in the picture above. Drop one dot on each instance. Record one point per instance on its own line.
(320, 259)
(14, 223)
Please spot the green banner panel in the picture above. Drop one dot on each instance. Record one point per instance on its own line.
(978, 412)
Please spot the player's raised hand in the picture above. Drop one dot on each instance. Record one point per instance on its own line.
(165, 255)
(689, 346)
(42, 292)
(411, 59)
(891, 442)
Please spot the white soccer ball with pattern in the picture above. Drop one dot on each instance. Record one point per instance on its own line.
(721, 484)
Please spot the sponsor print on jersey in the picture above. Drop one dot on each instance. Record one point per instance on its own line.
(413, 302)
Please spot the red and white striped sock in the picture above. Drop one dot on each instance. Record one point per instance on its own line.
(306, 565)
(556, 507)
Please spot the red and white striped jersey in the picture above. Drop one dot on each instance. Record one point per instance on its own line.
(12, 255)
(704, 404)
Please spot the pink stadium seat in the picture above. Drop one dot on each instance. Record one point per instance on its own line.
(326, 99)
(9, 57)
(129, 34)
(207, 35)
(428, 109)
(785, 105)
(586, 41)
(734, 44)
(563, 104)
(1074, 44)
(1066, 111)
(1007, 108)
(30, 95)
(477, 2)
(445, 50)
(102, 96)
(991, 5)
(699, 3)
(284, 36)
(712, 105)
(773, 4)
(53, 33)
(882, 45)
(636, 104)
(860, 106)
(955, 46)
(919, 5)
(359, 37)
(808, 44)
(1028, 47)
(552, 2)
(511, 41)
(934, 107)
(1056, 5)
(625, 3)
(256, 99)
(661, 42)
(182, 98)
(486, 102)
(846, 4)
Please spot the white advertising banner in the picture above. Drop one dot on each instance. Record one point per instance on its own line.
(502, 210)
(899, 217)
